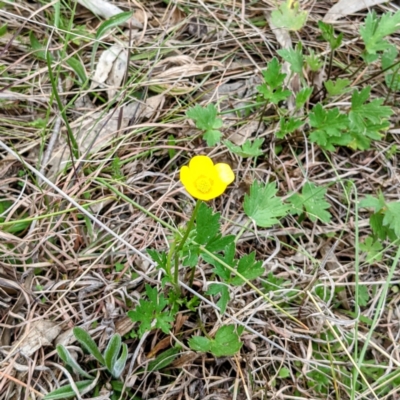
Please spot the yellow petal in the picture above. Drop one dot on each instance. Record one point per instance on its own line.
(225, 173)
(200, 164)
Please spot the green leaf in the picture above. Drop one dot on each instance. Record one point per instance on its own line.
(288, 16)
(313, 61)
(248, 148)
(272, 75)
(200, 343)
(376, 29)
(151, 314)
(249, 268)
(78, 68)
(38, 49)
(373, 250)
(288, 126)
(206, 120)
(338, 87)
(163, 359)
(3, 30)
(312, 199)
(272, 88)
(219, 243)
(376, 223)
(207, 224)
(219, 288)
(363, 295)
(329, 35)
(111, 352)
(65, 392)
(376, 203)
(328, 127)
(88, 343)
(113, 22)
(302, 97)
(65, 355)
(227, 258)
(294, 57)
(159, 257)
(119, 365)
(362, 111)
(273, 283)
(392, 217)
(226, 342)
(284, 373)
(262, 205)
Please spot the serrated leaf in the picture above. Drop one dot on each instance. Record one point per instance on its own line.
(65, 355)
(376, 29)
(249, 268)
(227, 258)
(272, 88)
(158, 257)
(248, 148)
(263, 206)
(294, 57)
(66, 392)
(212, 137)
(329, 127)
(206, 120)
(373, 250)
(273, 76)
(226, 342)
(392, 217)
(372, 202)
(111, 352)
(207, 224)
(288, 16)
(88, 343)
(219, 243)
(338, 87)
(312, 200)
(329, 35)
(302, 97)
(200, 343)
(151, 314)
(288, 126)
(363, 295)
(219, 288)
(372, 111)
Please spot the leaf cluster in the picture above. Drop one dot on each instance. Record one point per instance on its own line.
(114, 359)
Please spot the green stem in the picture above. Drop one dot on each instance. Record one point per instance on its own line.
(182, 243)
(169, 257)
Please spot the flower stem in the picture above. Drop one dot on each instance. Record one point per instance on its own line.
(182, 243)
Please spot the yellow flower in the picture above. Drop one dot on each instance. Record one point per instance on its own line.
(204, 180)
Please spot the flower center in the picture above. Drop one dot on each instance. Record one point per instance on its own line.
(203, 184)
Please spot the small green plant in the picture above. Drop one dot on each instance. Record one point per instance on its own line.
(289, 16)
(113, 359)
(207, 121)
(225, 343)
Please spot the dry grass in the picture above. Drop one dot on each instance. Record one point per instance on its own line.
(60, 266)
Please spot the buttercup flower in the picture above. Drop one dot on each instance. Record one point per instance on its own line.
(204, 180)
